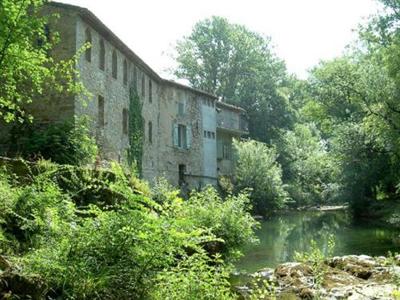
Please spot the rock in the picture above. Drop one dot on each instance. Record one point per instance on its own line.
(353, 277)
(293, 269)
(258, 218)
(4, 263)
(266, 273)
(306, 293)
(243, 291)
(360, 266)
(21, 287)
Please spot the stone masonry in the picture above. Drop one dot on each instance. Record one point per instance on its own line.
(180, 123)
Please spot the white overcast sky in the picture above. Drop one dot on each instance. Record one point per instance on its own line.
(302, 31)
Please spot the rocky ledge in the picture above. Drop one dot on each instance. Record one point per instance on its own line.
(347, 277)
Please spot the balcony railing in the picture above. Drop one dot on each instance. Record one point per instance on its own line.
(232, 121)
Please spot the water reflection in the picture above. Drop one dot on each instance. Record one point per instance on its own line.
(281, 236)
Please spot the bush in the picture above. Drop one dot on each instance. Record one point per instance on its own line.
(257, 169)
(63, 143)
(228, 219)
(194, 277)
(309, 169)
(136, 248)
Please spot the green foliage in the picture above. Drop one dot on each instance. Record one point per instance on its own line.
(27, 71)
(194, 277)
(309, 170)
(65, 143)
(133, 247)
(238, 65)
(257, 168)
(262, 289)
(135, 130)
(316, 259)
(229, 221)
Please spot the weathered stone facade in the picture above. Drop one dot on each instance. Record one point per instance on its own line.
(180, 123)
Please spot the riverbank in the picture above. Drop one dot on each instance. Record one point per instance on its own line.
(342, 277)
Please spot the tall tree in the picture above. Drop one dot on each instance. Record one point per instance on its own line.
(239, 66)
(26, 68)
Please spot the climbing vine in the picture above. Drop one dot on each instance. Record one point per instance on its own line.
(135, 130)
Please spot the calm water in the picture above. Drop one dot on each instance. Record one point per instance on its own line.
(281, 236)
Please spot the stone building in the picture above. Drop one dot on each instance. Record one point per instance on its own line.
(188, 132)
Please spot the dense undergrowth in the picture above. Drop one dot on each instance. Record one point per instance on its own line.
(74, 233)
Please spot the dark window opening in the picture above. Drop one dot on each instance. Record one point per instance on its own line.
(125, 121)
(114, 64)
(150, 129)
(88, 40)
(143, 87)
(150, 91)
(125, 72)
(102, 56)
(135, 77)
(100, 118)
(182, 171)
(45, 37)
(182, 136)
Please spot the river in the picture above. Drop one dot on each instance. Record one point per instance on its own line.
(282, 235)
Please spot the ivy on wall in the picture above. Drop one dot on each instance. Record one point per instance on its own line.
(135, 130)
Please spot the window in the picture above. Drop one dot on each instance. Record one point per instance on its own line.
(213, 135)
(100, 117)
(181, 172)
(150, 91)
(125, 72)
(41, 40)
(135, 77)
(182, 138)
(226, 152)
(102, 55)
(181, 108)
(88, 40)
(114, 65)
(150, 129)
(125, 121)
(143, 87)
(209, 134)
(205, 134)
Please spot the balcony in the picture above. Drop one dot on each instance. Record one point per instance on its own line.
(231, 118)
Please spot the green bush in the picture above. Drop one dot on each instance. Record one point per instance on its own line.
(63, 143)
(193, 277)
(133, 249)
(257, 169)
(228, 219)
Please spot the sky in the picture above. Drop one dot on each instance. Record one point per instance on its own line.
(303, 32)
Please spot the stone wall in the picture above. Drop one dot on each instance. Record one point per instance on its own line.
(180, 107)
(113, 140)
(180, 123)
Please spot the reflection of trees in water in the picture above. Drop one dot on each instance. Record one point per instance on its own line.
(281, 236)
(298, 230)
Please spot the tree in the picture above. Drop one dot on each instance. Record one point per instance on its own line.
(256, 168)
(26, 69)
(308, 169)
(354, 101)
(239, 66)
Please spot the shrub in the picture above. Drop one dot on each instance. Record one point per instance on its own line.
(228, 219)
(193, 277)
(63, 143)
(257, 169)
(135, 248)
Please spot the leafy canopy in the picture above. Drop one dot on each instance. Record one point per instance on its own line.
(27, 70)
